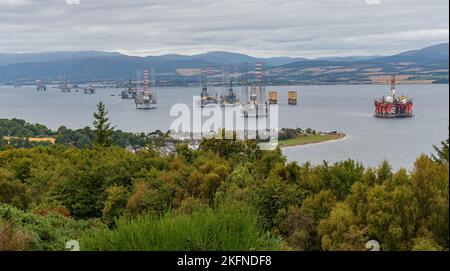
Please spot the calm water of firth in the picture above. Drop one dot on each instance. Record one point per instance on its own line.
(345, 108)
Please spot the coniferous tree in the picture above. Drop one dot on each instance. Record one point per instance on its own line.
(103, 129)
(441, 152)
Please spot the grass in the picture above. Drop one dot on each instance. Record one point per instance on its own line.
(308, 139)
(223, 229)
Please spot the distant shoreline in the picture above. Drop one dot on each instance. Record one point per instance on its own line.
(282, 85)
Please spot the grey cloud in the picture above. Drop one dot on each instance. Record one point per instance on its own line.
(304, 28)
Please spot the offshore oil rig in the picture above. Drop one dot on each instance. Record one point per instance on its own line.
(129, 92)
(146, 98)
(90, 89)
(273, 97)
(292, 97)
(40, 86)
(64, 86)
(256, 104)
(17, 83)
(206, 97)
(230, 99)
(229, 96)
(394, 106)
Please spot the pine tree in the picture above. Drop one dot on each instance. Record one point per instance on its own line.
(103, 129)
(441, 155)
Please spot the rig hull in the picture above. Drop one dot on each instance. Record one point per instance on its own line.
(388, 116)
(395, 109)
(145, 100)
(393, 106)
(146, 106)
(254, 110)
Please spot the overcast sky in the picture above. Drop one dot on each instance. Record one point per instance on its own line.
(297, 28)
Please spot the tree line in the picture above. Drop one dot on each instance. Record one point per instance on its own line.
(20, 131)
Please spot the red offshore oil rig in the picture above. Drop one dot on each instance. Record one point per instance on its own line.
(393, 106)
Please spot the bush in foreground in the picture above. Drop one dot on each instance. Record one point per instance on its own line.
(227, 228)
(20, 230)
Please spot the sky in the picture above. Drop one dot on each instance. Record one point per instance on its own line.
(261, 28)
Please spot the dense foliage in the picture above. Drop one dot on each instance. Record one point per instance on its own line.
(21, 128)
(290, 133)
(228, 194)
(62, 191)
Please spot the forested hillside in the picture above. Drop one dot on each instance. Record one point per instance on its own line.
(227, 195)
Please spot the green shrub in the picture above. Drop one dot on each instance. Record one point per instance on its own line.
(191, 205)
(425, 244)
(146, 200)
(115, 203)
(231, 228)
(41, 233)
(13, 191)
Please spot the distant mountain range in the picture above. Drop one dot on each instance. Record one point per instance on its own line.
(14, 58)
(427, 65)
